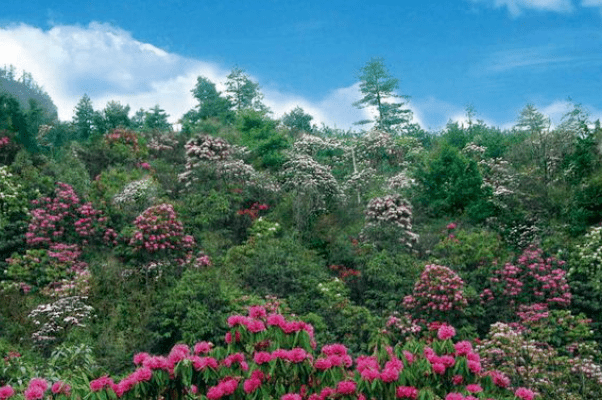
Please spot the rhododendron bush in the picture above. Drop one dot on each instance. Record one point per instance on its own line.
(270, 356)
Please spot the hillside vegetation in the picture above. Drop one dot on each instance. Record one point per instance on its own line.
(459, 264)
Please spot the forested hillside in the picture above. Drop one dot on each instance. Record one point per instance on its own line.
(458, 264)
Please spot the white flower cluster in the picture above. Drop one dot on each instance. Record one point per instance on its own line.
(376, 144)
(161, 141)
(217, 158)
(205, 148)
(311, 144)
(143, 189)
(389, 213)
(589, 257)
(360, 179)
(11, 198)
(400, 181)
(55, 318)
(308, 177)
(497, 175)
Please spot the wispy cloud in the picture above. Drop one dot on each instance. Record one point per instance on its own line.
(537, 58)
(516, 7)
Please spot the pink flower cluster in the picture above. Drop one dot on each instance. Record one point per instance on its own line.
(533, 279)
(438, 289)
(258, 321)
(36, 389)
(295, 356)
(123, 136)
(253, 211)
(6, 392)
(63, 218)
(333, 355)
(4, 141)
(225, 387)
(158, 229)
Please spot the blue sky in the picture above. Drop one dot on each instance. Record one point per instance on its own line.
(497, 55)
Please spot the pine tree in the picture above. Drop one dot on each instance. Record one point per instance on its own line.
(83, 119)
(378, 88)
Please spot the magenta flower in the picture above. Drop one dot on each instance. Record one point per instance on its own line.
(407, 392)
(446, 332)
(202, 347)
(524, 394)
(291, 396)
(251, 385)
(60, 388)
(6, 392)
(474, 388)
(346, 387)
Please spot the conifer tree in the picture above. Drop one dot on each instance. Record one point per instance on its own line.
(378, 89)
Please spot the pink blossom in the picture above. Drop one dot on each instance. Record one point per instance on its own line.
(454, 396)
(407, 392)
(6, 392)
(291, 396)
(33, 393)
(389, 375)
(59, 387)
(257, 312)
(446, 332)
(322, 364)
(474, 388)
(346, 387)
(262, 357)
(202, 347)
(463, 348)
(251, 385)
(524, 394)
(438, 368)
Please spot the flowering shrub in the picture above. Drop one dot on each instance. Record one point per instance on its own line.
(270, 356)
(124, 137)
(64, 219)
(213, 157)
(12, 199)
(389, 217)
(253, 211)
(140, 191)
(54, 319)
(534, 279)
(158, 232)
(313, 185)
(438, 293)
(588, 258)
(537, 364)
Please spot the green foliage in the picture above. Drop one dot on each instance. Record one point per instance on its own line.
(195, 308)
(260, 136)
(243, 93)
(450, 184)
(378, 89)
(385, 279)
(280, 267)
(297, 121)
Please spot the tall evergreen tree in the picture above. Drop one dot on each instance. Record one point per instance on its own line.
(83, 119)
(116, 115)
(531, 120)
(156, 120)
(242, 92)
(297, 121)
(378, 89)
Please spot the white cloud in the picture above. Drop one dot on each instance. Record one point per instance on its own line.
(107, 64)
(516, 7)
